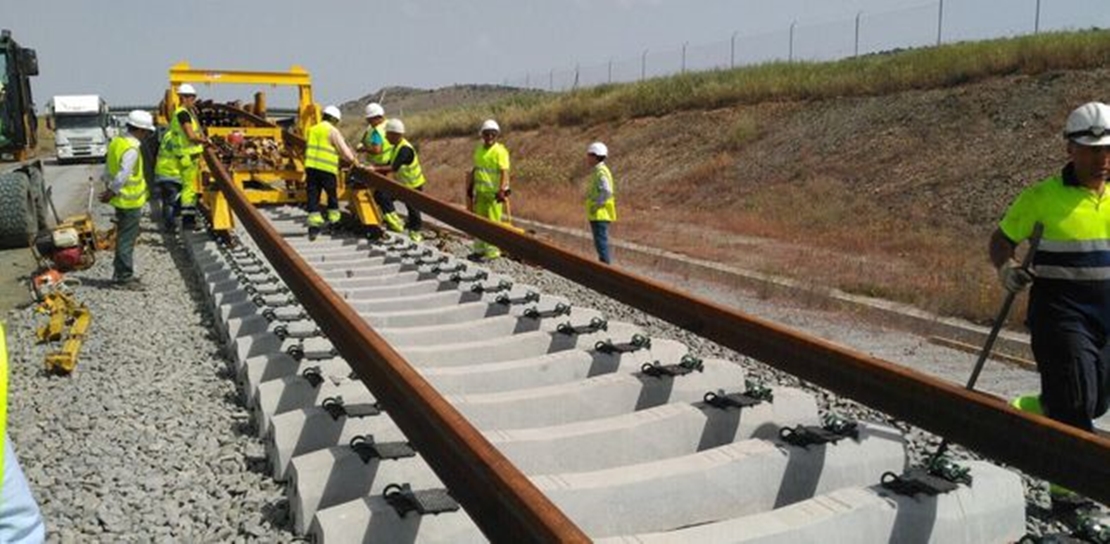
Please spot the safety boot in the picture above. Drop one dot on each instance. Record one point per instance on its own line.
(394, 222)
(415, 236)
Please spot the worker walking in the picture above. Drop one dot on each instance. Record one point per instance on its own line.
(126, 192)
(167, 176)
(379, 153)
(488, 184)
(321, 160)
(190, 142)
(601, 200)
(20, 519)
(1069, 305)
(405, 168)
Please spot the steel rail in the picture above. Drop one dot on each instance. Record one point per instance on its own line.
(1038, 445)
(503, 502)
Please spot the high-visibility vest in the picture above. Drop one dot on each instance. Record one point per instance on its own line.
(488, 163)
(410, 175)
(3, 400)
(185, 146)
(168, 163)
(386, 156)
(320, 154)
(608, 210)
(133, 193)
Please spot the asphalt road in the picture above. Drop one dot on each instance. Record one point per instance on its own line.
(69, 185)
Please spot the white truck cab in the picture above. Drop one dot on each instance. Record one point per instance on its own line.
(81, 126)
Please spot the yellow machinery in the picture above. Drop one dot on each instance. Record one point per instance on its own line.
(264, 181)
(64, 312)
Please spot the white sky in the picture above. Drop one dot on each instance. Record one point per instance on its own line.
(123, 48)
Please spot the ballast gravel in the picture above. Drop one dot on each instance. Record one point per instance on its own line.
(146, 441)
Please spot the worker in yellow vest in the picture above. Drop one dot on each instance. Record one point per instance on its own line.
(380, 155)
(126, 192)
(405, 169)
(325, 144)
(190, 142)
(601, 200)
(488, 185)
(167, 177)
(20, 519)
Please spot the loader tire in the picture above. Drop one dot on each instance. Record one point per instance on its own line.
(18, 221)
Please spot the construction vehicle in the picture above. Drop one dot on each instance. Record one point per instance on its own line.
(265, 156)
(81, 125)
(22, 185)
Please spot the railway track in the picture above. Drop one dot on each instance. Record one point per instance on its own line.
(408, 396)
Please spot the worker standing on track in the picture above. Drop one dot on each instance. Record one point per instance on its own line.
(167, 176)
(325, 144)
(190, 142)
(1069, 305)
(126, 193)
(20, 519)
(488, 185)
(405, 167)
(601, 201)
(379, 154)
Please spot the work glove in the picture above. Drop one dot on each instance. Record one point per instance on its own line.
(106, 196)
(1014, 277)
(501, 194)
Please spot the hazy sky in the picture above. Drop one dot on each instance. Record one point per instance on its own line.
(123, 48)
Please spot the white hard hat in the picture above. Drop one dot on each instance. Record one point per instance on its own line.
(374, 109)
(490, 124)
(185, 88)
(141, 119)
(332, 111)
(598, 148)
(395, 125)
(1089, 125)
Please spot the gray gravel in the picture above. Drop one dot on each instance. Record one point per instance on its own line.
(146, 441)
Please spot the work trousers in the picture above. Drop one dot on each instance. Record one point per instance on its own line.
(127, 231)
(600, 230)
(169, 190)
(317, 181)
(190, 182)
(487, 206)
(1074, 363)
(413, 221)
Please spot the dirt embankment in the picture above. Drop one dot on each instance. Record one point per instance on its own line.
(890, 196)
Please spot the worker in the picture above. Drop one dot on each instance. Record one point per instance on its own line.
(488, 185)
(126, 193)
(167, 176)
(20, 519)
(190, 143)
(601, 202)
(405, 168)
(1069, 305)
(321, 161)
(380, 155)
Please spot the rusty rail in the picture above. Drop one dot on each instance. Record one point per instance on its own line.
(506, 505)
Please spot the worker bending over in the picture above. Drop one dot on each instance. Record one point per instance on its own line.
(601, 200)
(1069, 305)
(321, 160)
(405, 168)
(488, 185)
(126, 192)
(188, 144)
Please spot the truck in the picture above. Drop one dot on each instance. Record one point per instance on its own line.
(23, 203)
(82, 126)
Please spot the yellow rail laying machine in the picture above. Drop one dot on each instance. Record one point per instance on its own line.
(265, 155)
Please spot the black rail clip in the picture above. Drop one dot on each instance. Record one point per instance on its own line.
(558, 310)
(506, 300)
(755, 393)
(940, 476)
(637, 343)
(424, 502)
(688, 364)
(313, 376)
(833, 430)
(595, 324)
(296, 351)
(502, 285)
(457, 267)
(435, 260)
(479, 275)
(368, 449)
(335, 407)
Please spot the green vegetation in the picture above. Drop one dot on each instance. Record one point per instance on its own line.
(925, 68)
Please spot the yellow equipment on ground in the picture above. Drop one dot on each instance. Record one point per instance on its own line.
(265, 160)
(64, 312)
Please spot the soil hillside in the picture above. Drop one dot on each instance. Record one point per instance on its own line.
(891, 196)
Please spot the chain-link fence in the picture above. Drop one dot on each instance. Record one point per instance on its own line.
(867, 32)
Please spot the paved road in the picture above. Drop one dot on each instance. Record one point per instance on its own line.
(70, 188)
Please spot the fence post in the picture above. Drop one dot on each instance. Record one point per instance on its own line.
(732, 50)
(940, 20)
(1037, 19)
(610, 70)
(858, 14)
(551, 80)
(643, 65)
(790, 56)
(684, 44)
(528, 80)
(575, 76)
